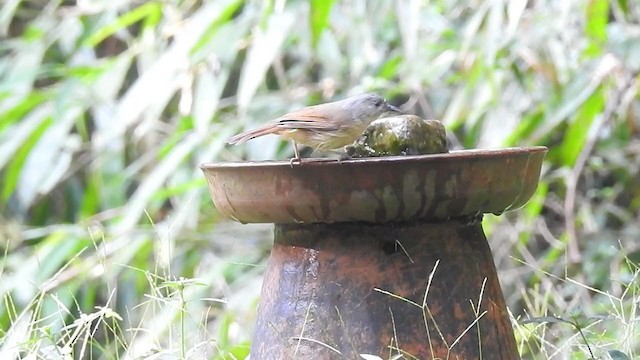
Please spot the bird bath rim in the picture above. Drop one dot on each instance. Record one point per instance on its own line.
(376, 189)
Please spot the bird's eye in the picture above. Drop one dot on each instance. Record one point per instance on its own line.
(378, 102)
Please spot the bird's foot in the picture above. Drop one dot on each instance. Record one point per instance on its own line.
(344, 157)
(295, 160)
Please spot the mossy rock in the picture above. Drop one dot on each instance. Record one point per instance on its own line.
(400, 135)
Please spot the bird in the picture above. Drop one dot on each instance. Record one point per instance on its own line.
(325, 126)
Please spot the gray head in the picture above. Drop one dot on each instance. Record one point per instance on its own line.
(369, 106)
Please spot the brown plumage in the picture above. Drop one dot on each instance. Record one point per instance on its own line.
(325, 126)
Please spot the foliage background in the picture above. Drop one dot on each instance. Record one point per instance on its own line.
(112, 248)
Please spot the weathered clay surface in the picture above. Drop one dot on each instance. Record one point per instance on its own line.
(398, 188)
(355, 245)
(319, 298)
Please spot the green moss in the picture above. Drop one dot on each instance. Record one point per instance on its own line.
(400, 135)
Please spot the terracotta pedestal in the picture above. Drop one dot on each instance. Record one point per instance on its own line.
(380, 256)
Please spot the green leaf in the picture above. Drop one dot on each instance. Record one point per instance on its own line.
(319, 18)
(151, 11)
(91, 196)
(578, 131)
(225, 13)
(179, 189)
(534, 207)
(87, 73)
(240, 351)
(33, 33)
(596, 27)
(152, 183)
(618, 355)
(624, 5)
(389, 69)
(55, 250)
(19, 111)
(14, 169)
(184, 127)
(581, 87)
(527, 126)
(264, 48)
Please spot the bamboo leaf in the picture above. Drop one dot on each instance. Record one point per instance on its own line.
(49, 159)
(149, 10)
(319, 18)
(158, 83)
(265, 46)
(576, 93)
(21, 109)
(596, 27)
(152, 183)
(618, 355)
(7, 12)
(225, 11)
(578, 130)
(16, 143)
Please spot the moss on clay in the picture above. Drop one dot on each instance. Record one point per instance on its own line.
(400, 135)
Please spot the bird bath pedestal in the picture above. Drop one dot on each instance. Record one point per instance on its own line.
(380, 256)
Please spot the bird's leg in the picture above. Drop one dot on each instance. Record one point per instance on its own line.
(296, 158)
(295, 151)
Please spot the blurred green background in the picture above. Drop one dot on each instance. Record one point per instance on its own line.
(111, 247)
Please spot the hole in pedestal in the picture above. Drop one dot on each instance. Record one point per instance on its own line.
(389, 247)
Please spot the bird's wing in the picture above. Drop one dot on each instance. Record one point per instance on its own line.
(305, 119)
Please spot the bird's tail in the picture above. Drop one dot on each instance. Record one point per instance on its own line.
(252, 134)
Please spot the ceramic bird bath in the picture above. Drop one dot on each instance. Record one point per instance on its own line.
(380, 256)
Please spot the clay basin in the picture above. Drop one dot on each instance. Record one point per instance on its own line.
(396, 188)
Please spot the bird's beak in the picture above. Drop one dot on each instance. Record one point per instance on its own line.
(391, 108)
